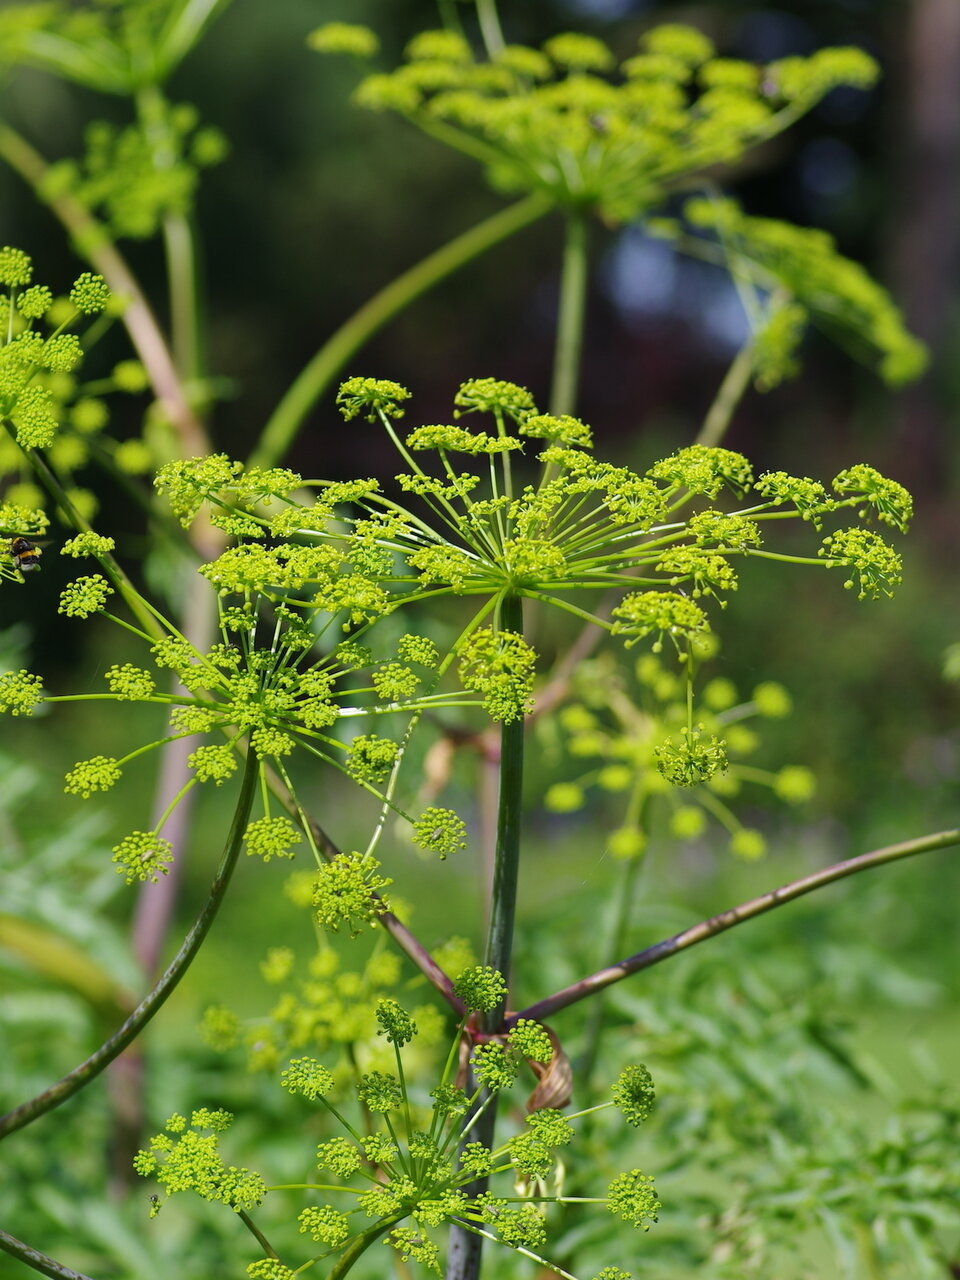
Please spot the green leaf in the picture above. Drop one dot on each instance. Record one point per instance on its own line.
(60, 961)
(183, 29)
(96, 64)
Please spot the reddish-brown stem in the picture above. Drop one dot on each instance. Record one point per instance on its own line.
(401, 935)
(727, 919)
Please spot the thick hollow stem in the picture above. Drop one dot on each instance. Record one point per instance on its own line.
(736, 915)
(570, 317)
(465, 1247)
(81, 1075)
(509, 811)
(464, 1253)
(316, 376)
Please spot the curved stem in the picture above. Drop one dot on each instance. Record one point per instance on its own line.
(499, 946)
(570, 317)
(151, 1004)
(41, 1262)
(257, 1234)
(317, 375)
(736, 915)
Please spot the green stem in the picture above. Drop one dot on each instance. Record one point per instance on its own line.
(734, 916)
(728, 396)
(507, 864)
(81, 1075)
(257, 1234)
(179, 241)
(178, 237)
(490, 29)
(570, 317)
(464, 1253)
(360, 1244)
(41, 1262)
(316, 376)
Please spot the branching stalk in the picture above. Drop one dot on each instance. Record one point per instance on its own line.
(360, 1244)
(736, 915)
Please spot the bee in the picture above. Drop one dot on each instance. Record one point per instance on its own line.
(25, 554)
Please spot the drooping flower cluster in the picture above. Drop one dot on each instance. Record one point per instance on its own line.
(329, 1009)
(801, 267)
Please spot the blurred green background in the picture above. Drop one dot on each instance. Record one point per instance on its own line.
(318, 206)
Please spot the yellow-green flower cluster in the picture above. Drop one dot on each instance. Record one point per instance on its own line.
(21, 692)
(412, 1182)
(346, 891)
(35, 381)
(817, 282)
(632, 1197)
(344, 37)
(143, 855)
(564, 120)
(500, 665)
(480, 987)
(440, 831)
(585, 524)
(84, 596)
(645, 742)
(137, 175)
(187, 1158)
(96, 774)
(268, 838)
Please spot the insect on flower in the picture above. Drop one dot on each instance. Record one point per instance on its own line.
(25, 554)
